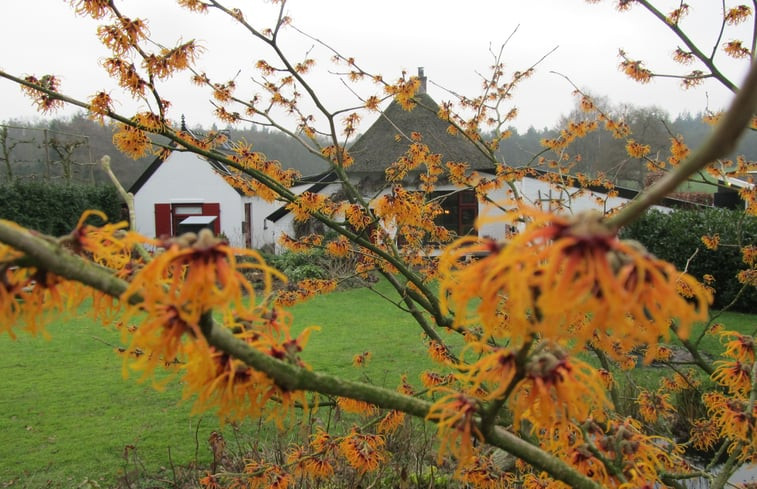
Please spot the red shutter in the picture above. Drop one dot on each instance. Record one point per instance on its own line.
(213, 209)
(162, 220)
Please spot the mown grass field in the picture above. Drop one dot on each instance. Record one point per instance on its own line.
(67, 416)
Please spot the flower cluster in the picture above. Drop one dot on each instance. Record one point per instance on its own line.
(43, 99)
(456, 424)
(132, 141)
(178, 291)
(33, 296)
(566, 274)
(735, 419)
(737, 371)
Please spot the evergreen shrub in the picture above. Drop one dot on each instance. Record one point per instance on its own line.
(55, 209)
(677, 236)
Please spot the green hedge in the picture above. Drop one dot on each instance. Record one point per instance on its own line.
(55, 209)
(676, 236)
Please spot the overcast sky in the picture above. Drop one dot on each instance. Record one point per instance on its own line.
(450, 39)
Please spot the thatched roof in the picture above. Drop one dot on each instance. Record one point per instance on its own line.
(379, 147)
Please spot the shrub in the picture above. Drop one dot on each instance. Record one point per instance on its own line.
(317, 264)
(299, 266)
(54, 208)
(677, 237)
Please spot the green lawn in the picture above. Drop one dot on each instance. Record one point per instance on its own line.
(67, 415)
(359, 320)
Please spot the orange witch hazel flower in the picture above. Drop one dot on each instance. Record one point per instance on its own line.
(217, 380)
(482, 472)
(654, 405)
(733, 419)
(356, 406)
(456, 425)
(557, 387)
(315, 467)
(32, 296)
(735, 375)
(179, 288)
(363, 451)
(197, 273)
(739, 346)
(109, 245)
(567, 273)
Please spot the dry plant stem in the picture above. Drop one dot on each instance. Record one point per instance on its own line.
(127, 197)
(273, 44)
(728, 306)
(52, 257)
(726, 471)
(672, 482)
(722, 141)
(417, 315)
(611, 467)
(60, 262)
(753, 397)
(283, 192)
(733, 462)
(689, 475)
(754, 30)
(489, 416)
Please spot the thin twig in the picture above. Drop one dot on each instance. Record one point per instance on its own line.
(722, 141)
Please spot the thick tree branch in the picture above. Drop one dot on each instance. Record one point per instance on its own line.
(60, 261)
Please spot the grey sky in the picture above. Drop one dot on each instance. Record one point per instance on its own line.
(450, 39)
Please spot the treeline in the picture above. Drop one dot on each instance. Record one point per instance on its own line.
(67, 150)
(600, 152)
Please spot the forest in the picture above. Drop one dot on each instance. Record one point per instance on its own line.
(67, 149)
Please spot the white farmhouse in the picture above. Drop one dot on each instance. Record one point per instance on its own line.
(186, 190)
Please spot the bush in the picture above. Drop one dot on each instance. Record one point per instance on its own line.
(317, 264)
(299, 266)
(677, 238)
(54, 208)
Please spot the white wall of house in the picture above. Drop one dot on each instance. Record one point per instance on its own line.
(261, 232)
(533, 190)
(270, 231)
(187, 178)
(541, 194)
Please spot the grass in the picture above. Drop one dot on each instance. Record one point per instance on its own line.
(359, 320)
(66, 414)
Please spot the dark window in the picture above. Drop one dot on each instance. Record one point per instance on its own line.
(168, 217)
(179, 212)
(460, 210)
